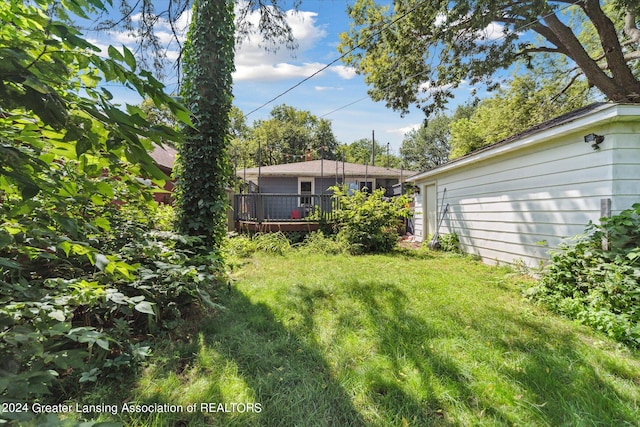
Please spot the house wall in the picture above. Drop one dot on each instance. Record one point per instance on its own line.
(518, 205)
(626, 173)
(281, 185)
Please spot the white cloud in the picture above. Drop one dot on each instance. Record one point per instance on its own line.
(326, 88)
(491, 32)
(405, 129)
(344, 72)
(273, 72)
(102, 46)
(252, 61)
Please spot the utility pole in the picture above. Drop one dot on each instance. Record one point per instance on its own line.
(387, 154)
(373, 148)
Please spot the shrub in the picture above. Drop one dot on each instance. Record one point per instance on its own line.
(450, 243)
(368, 222)
(317, 242)
(243, 246)
(240, 246)
(274, 243)
(599, 287)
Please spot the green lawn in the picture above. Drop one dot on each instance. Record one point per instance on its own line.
(410, 338)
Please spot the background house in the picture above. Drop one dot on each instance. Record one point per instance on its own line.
(164, 157)
(516, 199)
(316, 176)
(295, 191)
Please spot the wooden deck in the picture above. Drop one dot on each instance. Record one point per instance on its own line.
(275, 226)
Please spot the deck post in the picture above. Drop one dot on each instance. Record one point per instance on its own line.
(259, 208)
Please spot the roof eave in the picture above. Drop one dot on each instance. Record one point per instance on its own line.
(608, 113)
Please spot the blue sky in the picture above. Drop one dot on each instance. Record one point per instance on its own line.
(262, 75)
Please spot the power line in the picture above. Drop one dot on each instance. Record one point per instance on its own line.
(523, 27)
(376, 33)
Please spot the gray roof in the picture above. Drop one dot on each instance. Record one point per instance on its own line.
(164, 157)
(316, 168)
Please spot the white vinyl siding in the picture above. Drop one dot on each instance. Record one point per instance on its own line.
(518, 205)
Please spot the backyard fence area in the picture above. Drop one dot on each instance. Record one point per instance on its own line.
(269, 207)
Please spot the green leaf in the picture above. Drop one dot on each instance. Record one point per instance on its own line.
(103, 223)
(129, 58)
(9, 264)
(103, 343)
(70, 225)
(36, 85)
(105, 189)
(115, 53)
(101, 261)
(145, 307)
(29, 191)
(5, 239)
(82, 146)
(57, 315)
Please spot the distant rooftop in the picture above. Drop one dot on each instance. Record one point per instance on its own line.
(164, 157)
(317, 168)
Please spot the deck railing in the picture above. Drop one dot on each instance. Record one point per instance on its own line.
(269, 207)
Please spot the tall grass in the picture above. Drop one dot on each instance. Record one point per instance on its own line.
(411, 338)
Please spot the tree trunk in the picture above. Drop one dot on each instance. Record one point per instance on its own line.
(620, 71)
(203, 170)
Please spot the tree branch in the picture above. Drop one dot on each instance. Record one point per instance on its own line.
(632, 55)
(630, 28)
(592, 70)
(541, 49)
(568, 85)
(548, 34)
(610, 42)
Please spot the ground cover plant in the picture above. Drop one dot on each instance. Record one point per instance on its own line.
(85, 282)
(595, 278)
(412, 337)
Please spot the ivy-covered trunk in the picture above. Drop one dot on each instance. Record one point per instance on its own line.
(203, 170)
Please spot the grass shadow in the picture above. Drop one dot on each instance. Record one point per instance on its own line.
(326, 342)
(287, 375)
(465, 371)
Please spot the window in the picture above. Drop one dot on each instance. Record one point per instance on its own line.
(305, 189)
(366, 184)
(359, 185)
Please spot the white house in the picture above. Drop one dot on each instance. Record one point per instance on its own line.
(516, 199)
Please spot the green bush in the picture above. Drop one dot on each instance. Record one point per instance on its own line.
(273, 243)
(450, 243)
(599, 287)
(73, 307)
(243, 246)
(368, 222)
(240, 246)
(317, 242)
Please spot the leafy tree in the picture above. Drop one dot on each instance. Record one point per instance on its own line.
(243, 147)
(324, 141)
(428, 146)
(527, 101)
(360, 152)
(417, 52)
(203, 168)
(289, 133)
(70, 171)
